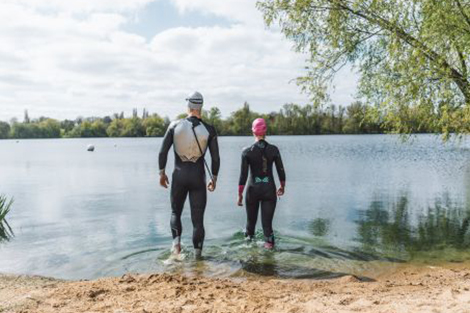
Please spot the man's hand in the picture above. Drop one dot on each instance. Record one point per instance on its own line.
(211, 186)
(280, 191)
(240, 199)
(164, 182)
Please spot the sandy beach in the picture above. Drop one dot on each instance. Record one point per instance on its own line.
(406, 289)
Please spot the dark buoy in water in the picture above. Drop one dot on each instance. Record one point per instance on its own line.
(90, 148)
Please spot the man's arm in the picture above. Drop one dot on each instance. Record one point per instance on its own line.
(215, 157)
(163, 155)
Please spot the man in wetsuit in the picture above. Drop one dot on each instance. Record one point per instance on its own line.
(190, 137)
(259, 159)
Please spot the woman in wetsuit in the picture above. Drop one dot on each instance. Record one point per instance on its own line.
(261, 189)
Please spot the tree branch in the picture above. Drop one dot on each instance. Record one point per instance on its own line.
(461, 81)
(462, 11)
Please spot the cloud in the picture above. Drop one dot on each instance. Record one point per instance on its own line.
(80, 6)
(69, 58)
(238, 10)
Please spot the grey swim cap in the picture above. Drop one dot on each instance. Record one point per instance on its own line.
(195, 101)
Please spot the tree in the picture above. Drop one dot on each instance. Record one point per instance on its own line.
(154, 126)
(132, 127)
(410, 54)
(213, 116)
(50, 128)
(4, 130)
(115, 128)
(145, 114)
(241, 120)
(23, 131)
(67, 126)
(107, 120)
(98, 129)
(26, 117)
(86, 129)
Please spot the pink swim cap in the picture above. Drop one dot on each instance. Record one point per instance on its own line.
(259, 127)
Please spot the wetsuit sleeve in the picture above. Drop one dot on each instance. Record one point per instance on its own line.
(214, 150)
(243, 173)
(280, 168)
(166, 145)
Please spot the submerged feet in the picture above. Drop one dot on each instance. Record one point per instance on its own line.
(198, 254)
(176, 247)
(269, 242)
(269, 245)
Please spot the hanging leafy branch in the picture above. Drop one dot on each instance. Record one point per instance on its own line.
(412, 55)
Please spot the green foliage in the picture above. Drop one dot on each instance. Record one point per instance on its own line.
(98, 129)
(133, 127)
(4, 130)
(292, 119)
(5, 230)
(115, 128)
(154, 126)
(42, 128)
(240, 121)
(412, 56)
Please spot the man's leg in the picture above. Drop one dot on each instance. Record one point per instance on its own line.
(178, 197)
(198, 200)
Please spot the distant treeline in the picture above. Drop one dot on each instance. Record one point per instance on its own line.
(292, 119)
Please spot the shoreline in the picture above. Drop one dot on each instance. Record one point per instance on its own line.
(406, 288)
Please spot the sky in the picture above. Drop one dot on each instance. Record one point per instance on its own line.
(64, 59)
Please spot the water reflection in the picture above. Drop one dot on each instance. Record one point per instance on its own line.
(6, 233)
(78, 215)
(319, 227)
(387, 227)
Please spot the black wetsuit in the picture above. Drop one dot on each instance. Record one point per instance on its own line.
(189, 176)
(259, 158)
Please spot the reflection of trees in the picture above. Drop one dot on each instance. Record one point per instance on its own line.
(389, 227)
(5, 230)
(319, 227)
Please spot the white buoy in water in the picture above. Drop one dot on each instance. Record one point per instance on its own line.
(90, 148)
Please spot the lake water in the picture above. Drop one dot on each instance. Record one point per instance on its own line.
(353, 204)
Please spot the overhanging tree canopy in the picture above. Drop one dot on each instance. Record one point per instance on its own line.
(412, 55)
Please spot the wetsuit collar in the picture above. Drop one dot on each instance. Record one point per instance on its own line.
(194, 120)
(261, 143)
(192, 117)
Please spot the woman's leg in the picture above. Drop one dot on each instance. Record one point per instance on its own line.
(252, 207)
(267, 214)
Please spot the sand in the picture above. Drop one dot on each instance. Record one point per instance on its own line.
(407, 289)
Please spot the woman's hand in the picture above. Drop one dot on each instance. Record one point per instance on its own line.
(240, 200)
(280, 191)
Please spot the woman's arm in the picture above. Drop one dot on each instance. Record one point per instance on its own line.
(281, 172)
